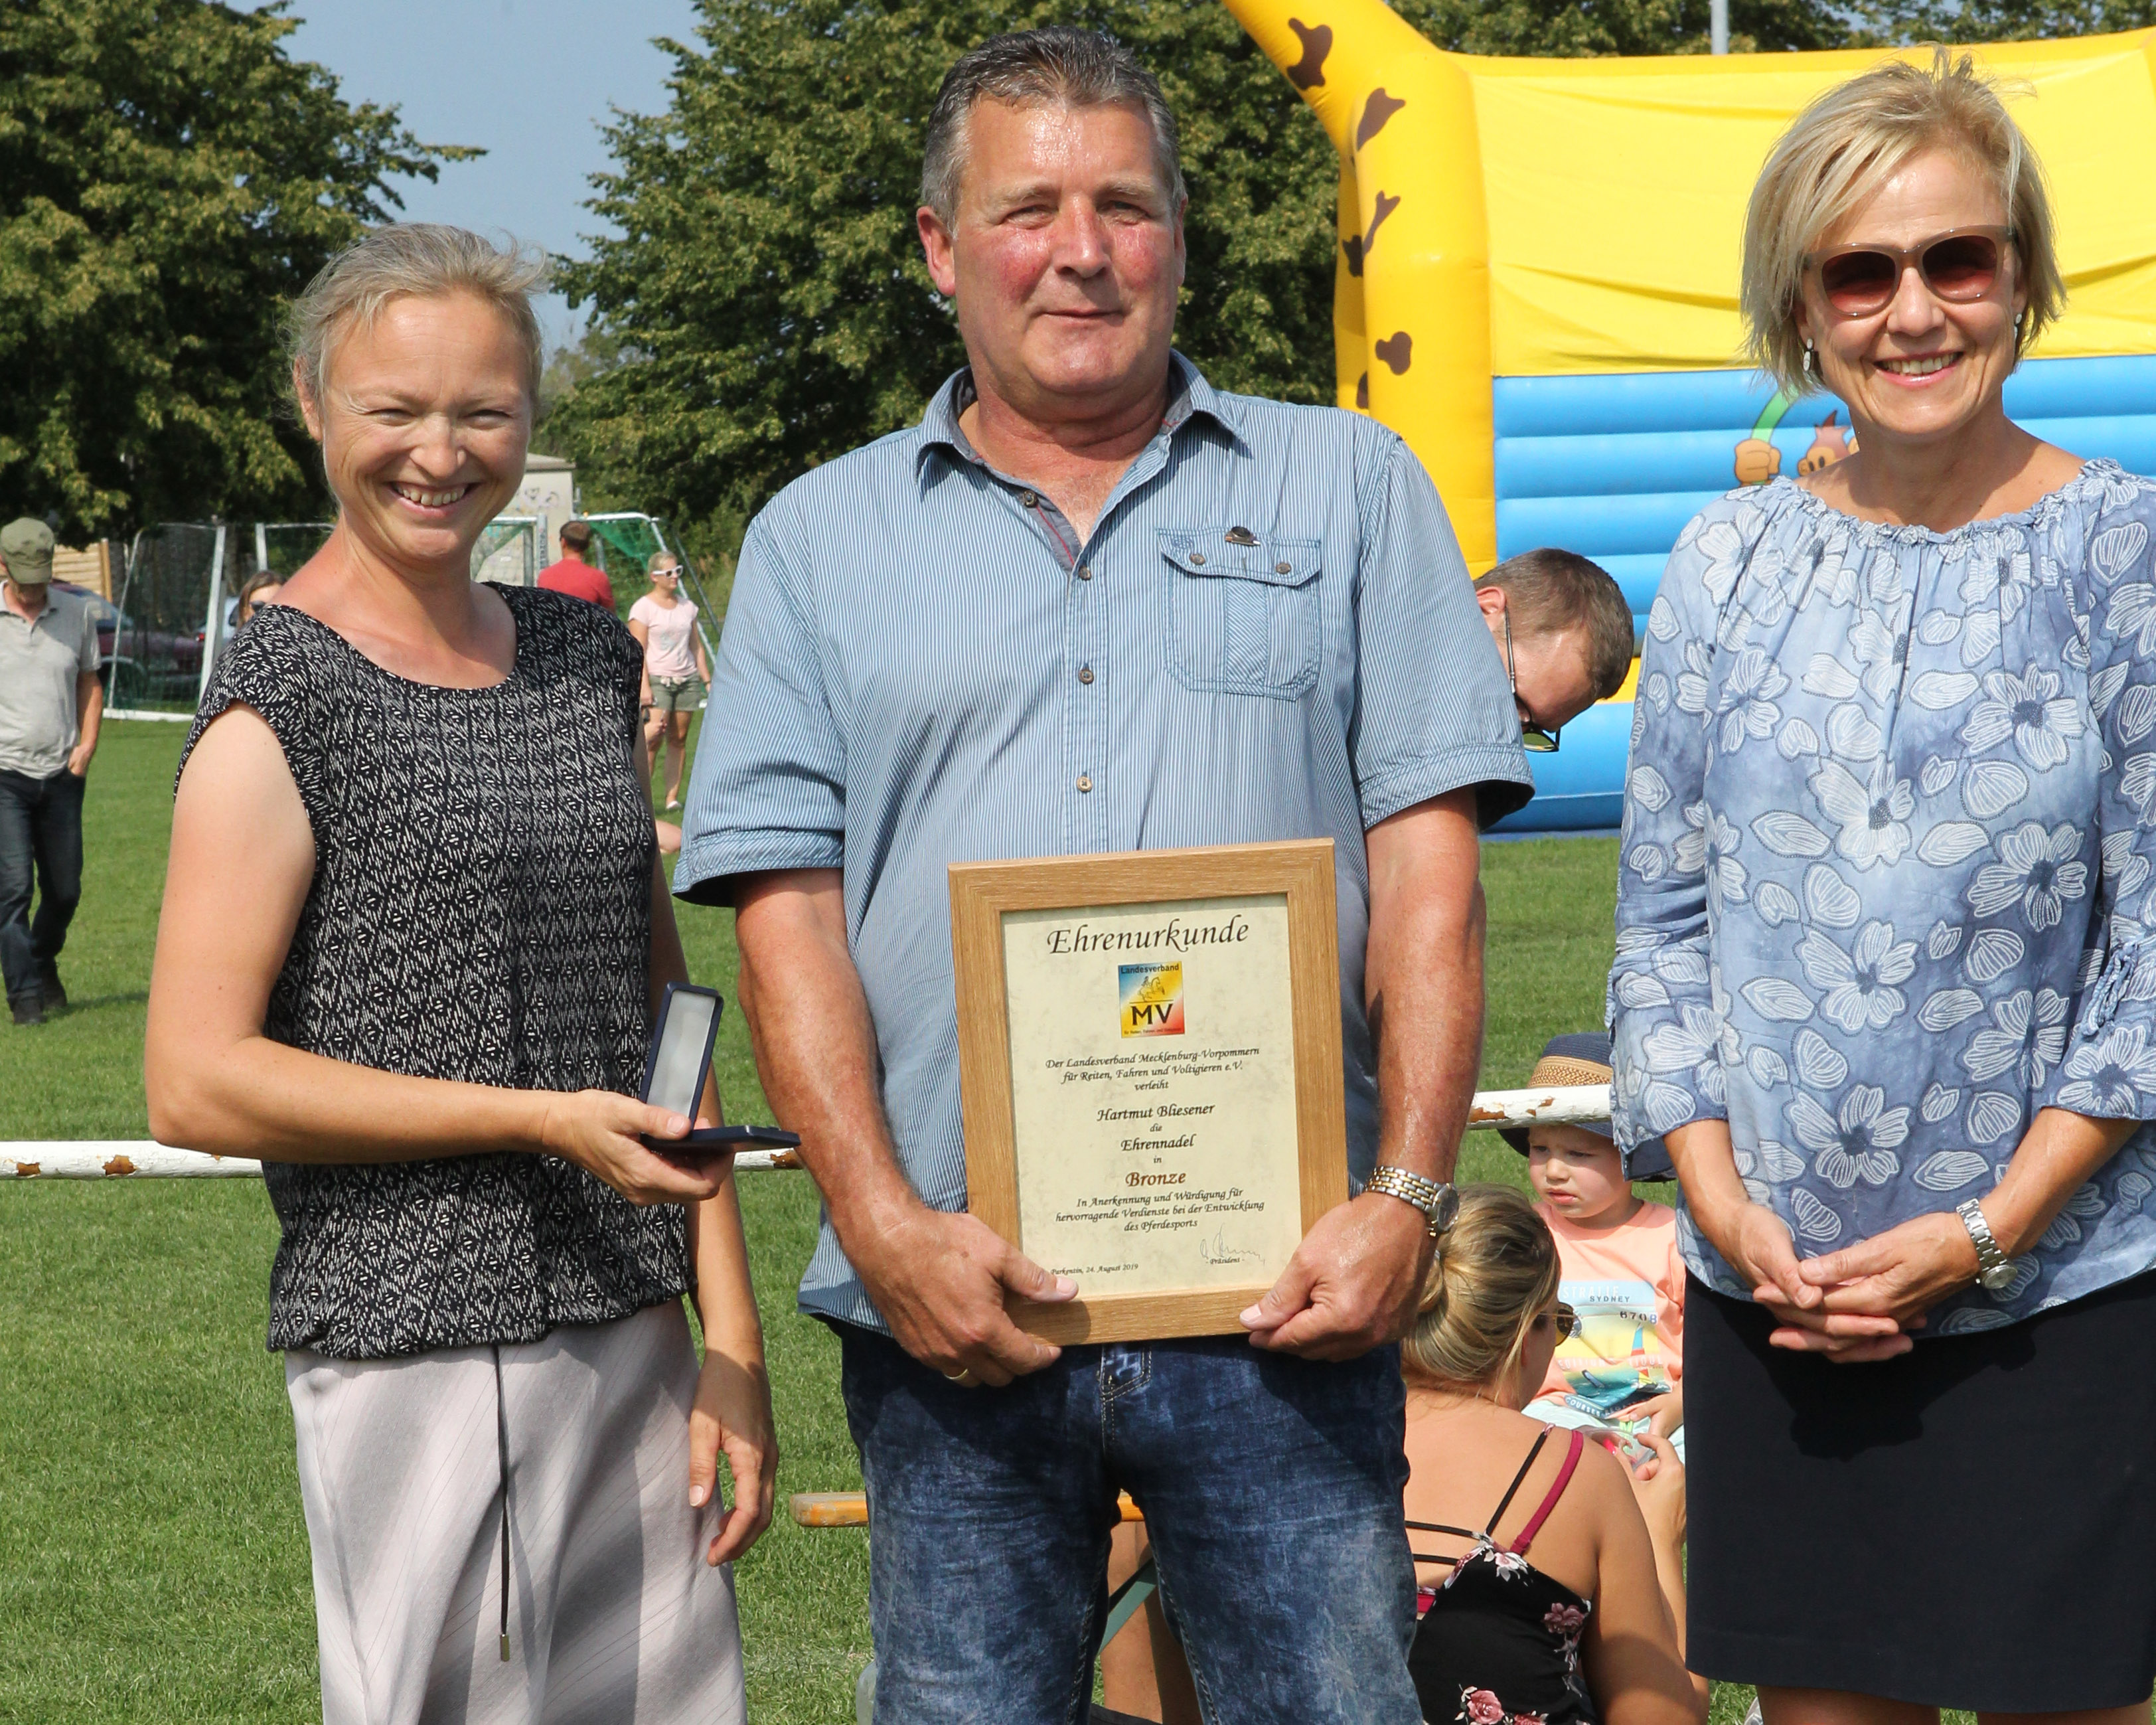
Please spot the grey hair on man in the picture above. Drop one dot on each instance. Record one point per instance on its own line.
(1078, 68)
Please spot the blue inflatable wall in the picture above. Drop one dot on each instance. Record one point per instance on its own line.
(1613, 468)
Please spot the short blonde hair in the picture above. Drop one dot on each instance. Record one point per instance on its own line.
(1497, 1268)
(1841, 149)
(425, 259)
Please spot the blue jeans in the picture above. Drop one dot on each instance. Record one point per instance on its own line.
(40, 840)
(1271, 1490)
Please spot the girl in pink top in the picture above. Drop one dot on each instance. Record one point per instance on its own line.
(676, 671)
(1623, 1365)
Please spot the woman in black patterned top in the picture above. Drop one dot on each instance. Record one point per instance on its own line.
(431, 1028)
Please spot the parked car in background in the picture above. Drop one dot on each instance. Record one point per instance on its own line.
(106, 613)
(142, 666)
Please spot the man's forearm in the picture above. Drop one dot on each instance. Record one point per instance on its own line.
(815, 1044)
(1424, 981)
(88, 713)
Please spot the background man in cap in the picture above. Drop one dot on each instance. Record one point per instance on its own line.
(50, 702)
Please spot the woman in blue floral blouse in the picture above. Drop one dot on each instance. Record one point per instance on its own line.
(1885, 973)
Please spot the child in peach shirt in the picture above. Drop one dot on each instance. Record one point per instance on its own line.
(1623, 1365)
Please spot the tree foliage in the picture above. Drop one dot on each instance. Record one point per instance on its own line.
(169, 178)
(1571, 29)
(1954, 21)
(765, 293)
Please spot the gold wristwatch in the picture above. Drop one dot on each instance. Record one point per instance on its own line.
(1439, 1200)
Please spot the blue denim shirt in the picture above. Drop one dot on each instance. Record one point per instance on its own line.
(923, 665)
(1887, 848)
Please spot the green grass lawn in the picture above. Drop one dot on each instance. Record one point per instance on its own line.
(153, 1563)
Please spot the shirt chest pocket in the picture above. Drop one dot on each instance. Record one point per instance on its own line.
(1243, 612)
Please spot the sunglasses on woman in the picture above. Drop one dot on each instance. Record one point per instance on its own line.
(1958, 266)
(1564, 1320)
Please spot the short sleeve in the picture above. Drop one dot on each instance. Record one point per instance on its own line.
(767, 791)
(2109, 1069)
(1434, 712)
(269, 667)
(86, 657)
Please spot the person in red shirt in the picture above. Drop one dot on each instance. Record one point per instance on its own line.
(572, 575)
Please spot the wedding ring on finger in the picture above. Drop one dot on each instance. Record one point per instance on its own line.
(963, 1377)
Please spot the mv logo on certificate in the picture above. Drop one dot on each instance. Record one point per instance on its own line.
(1153, 999)
(1150, 1063)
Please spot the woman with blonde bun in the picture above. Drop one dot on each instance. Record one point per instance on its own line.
(1551, 1579)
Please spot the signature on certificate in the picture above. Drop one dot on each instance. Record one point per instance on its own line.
(1217, 1250)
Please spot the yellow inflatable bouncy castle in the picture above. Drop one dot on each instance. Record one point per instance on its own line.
(1536, 285)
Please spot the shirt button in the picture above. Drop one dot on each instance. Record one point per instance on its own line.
(1027, 500)
(1084, 673)
(1085, 572)
(1283, 569)
(1198, 556)
(1085, 781)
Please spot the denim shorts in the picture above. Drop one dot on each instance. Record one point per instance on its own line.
(1271, 1492)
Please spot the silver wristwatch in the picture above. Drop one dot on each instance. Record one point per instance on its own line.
(1439, 1200)
(1994, 1269)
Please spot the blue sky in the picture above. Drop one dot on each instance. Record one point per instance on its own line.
(529, 81)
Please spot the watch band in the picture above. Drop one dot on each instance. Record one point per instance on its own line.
(1438, 1200)
(1995, 1270)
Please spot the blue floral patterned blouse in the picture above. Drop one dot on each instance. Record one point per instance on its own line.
(1889, 823)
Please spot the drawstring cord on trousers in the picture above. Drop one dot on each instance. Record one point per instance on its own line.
(501, 1438)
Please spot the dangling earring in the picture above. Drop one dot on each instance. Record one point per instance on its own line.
(1809, 364)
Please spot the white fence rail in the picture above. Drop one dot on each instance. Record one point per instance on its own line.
(127, 1159)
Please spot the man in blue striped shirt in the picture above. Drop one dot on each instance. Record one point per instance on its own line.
(1091, 603)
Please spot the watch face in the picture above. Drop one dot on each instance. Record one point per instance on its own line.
(1444, 1207)
(1998, 1278)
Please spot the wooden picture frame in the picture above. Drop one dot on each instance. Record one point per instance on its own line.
(1229, 904)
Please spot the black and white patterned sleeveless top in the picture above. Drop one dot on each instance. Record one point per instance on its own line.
(480, 910)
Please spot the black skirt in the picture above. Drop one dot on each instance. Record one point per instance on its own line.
(1972, 1524)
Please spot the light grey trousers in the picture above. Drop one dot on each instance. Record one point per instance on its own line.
(614, 1617)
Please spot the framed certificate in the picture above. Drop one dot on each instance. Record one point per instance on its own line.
(1150, 1072)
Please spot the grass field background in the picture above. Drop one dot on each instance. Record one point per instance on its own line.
(153, 1562)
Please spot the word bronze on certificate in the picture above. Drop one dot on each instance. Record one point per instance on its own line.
(1149, 1067)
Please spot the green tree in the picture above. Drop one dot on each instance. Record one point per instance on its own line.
(765, 271)
(1569, 30)
(169, 178)
(764, 290)
(1956, 21)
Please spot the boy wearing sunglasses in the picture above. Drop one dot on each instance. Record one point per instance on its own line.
(1619, 1365)
(1563, 628)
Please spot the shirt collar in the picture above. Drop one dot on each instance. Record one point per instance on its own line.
(1190, 397)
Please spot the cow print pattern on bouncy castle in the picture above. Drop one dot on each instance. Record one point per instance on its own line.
(1309, 72)
(1384, 205)
(1376, 112)
(480, 910)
